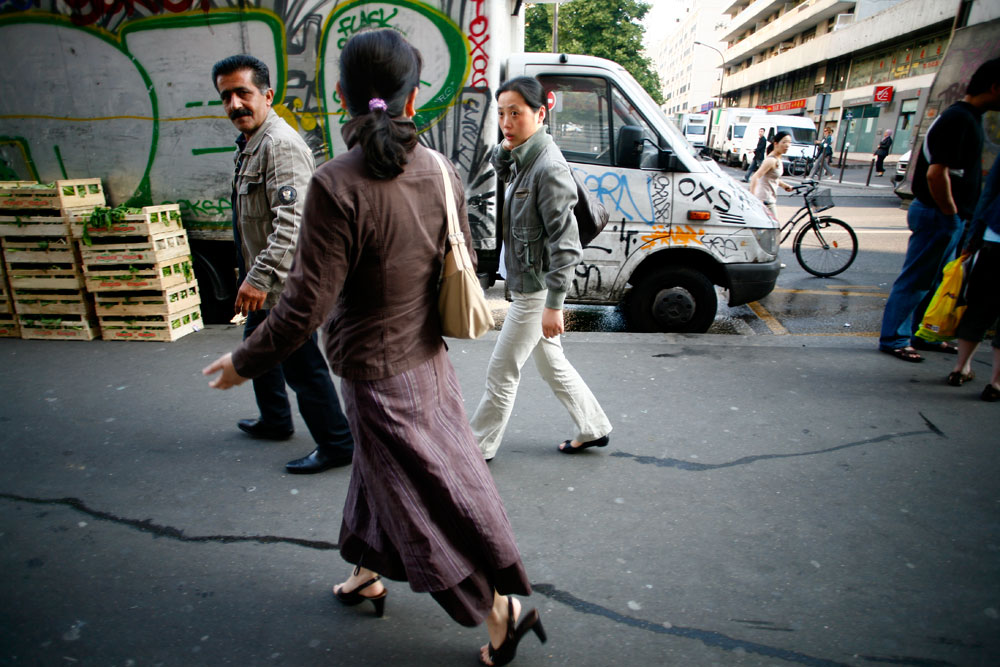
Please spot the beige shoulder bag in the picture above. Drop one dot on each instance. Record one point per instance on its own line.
(461, 304)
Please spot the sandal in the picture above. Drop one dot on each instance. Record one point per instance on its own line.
(958, 378)
(567, 446)
(355, 597)
(928, 346)
(504, 654)
(904, 353)
(990, 394)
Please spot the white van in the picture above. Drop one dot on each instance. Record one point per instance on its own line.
(802, 129)
(728, 128)
(679, 225)
(694, 127)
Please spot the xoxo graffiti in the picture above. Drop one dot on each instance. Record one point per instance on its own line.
(479, 28)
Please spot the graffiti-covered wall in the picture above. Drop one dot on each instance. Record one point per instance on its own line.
(121, 89)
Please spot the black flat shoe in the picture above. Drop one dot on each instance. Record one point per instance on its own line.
(355, 597)
(504, 654)
(255, 428)
(317, 462)
(567, 446)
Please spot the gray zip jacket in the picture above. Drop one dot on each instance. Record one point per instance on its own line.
(270, 197)
(541, 239)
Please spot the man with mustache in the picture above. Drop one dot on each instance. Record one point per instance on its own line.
(273, 169)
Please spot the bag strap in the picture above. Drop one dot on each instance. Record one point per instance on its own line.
(456, 239)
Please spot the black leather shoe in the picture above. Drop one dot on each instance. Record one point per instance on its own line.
(255, 428)
(317, 462)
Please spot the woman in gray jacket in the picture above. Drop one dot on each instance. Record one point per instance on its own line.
(541, 248)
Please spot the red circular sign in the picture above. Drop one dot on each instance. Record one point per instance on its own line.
(550, 99)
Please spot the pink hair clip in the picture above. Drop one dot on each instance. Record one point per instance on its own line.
(377, 103)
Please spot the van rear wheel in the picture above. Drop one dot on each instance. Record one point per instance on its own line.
(678, 300)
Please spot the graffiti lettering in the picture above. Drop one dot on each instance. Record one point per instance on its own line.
(478, 36)
(98, 9)
(374, 19)
(583, 273)
(660, 196)
(723, 245)
(205, 209)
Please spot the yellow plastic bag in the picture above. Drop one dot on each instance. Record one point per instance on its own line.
(943, 313)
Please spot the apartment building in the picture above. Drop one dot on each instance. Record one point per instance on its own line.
(876, 60)
(690, 73)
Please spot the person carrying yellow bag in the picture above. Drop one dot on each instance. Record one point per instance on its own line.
(944, 312)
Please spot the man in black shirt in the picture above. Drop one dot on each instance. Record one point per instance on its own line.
(946, 182)
(758, 155)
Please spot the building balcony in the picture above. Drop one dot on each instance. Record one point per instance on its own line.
(784, 29)
(894, 23)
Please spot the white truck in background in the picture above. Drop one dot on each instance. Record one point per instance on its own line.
(801, 129)
(679, 226)
(728, 127)
(694, 127)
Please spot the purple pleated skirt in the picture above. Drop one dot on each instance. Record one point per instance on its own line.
(422, 506)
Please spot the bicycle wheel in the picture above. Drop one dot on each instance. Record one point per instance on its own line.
(826, 247)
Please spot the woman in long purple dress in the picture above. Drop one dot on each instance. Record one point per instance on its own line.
(421, 506)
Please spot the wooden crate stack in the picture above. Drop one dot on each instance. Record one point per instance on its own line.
(138, 267)
(45, 288)
(9, 327)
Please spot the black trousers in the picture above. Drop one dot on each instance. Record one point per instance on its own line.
(306, 372)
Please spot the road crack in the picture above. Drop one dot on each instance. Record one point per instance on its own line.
(147, 526)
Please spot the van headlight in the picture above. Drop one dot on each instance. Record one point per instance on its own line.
(767, 239)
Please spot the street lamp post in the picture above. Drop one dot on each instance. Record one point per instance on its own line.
(722, 76)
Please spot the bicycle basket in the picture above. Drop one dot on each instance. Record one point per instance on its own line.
(820, 199)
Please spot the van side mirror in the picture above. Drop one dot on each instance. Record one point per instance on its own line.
(628, 149)
(667, 161)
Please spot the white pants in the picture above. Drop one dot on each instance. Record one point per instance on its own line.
(521, 337)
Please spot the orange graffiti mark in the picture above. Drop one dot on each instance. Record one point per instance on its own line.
(677, 236)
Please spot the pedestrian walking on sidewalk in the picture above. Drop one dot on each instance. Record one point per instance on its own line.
(825, 154)
(758, 156)
(541, 248)
(273, 168)
(884, 146)
(983, 292)
(946, 182)
(422, 506)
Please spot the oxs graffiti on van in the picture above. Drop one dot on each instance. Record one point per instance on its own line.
(679, 226)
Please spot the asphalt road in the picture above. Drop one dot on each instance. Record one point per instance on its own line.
(764, 501)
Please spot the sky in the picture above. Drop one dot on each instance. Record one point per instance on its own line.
(661, 16)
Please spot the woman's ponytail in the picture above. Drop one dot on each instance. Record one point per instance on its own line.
(378, 72)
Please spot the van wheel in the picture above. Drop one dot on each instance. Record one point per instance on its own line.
(678, 300)
(744, 163)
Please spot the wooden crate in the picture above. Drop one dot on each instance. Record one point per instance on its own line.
(53, 302)
(148, 302)
(6, 304)
(39, 250)
(120, 277)
(9, 327)
(135, 249)
(151, 221)
(17, 195)
(33, 225)
(44, 276)
(163, 327)
(57, 327)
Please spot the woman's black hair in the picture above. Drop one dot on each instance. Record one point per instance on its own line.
(778, 136)
(528, 87)
(378, 71)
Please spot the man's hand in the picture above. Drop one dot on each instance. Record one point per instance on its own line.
(229, 377)
(552, 322)
(249, 299)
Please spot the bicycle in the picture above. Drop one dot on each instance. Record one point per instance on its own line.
(800, 166)
(825, 246)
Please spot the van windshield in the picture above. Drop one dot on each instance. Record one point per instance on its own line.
(695, 129)
(738, 131)
(800, 135)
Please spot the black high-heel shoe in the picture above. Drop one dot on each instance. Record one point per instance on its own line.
(504, 654)
(355, 597)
